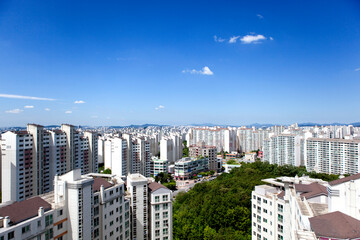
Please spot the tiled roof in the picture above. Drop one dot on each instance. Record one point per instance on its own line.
(155, 186)
(346, 179)
(335, 225)
(98, 181)
(311, 190)
(21, 211)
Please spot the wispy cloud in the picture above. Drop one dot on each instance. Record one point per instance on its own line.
(271, 38)
(357, 69)
(29, 106)
(260, 16)
(25, 97)
(218, 39)
(204, 71)
(252, 38)
(47, 109)
(79, 102)
(233, 39)
(159, 107)
(68, 112)
(14, 111)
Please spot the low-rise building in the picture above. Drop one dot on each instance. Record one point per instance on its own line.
(158, 166)
(187, 167)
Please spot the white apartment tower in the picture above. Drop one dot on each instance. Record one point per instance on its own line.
(332, 156)
(141, 157)
(115, 155)
(31, 159)
(137, 187)
(284, 149)
(160, 206)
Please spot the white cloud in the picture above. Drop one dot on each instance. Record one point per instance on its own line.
(17, 110)
(25, 97)
(260, 16)
(47, 109)
(357, 69)
(271, 38)
(252, 38)
(29, 106)
(159, 107)
(68, 112)
(218, 39)
(233, 39)
(79, 102)
(204, 71)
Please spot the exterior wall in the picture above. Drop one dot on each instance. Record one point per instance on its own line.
(332, 156)
(137, 187)
(160, 220)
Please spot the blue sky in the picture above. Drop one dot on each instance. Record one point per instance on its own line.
(134, 62)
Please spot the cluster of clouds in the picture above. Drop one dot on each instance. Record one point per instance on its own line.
(159, 107)
(18, 110)
(204, 71)
(246, 39)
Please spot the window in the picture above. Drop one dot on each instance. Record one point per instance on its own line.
(60, 212)
(166, 223)
(165, 197)
(280, 218)
(280, 237)
(157, 207)
(59, 226)
(49, 234)
(165, 206)
(11, 235)
(157, 198)
(165, 214)
(157, 233)
(157, 224)
(48, 220)
(280, 228)
(25, 229)
(157, 216)
(96, 210)
(165, 231)
(39, 223)
(280, 208)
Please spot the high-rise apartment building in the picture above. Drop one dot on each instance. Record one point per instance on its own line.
(160, 209)
(115, 155)
(332, 156)
(284, 149)
(222, 138)
(31, 159)
(137, 187)
(85, 207)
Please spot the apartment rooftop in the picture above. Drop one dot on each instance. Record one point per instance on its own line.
(155, 186)
(335, 225)
(311, 190)
(23, 210)
(98, 182)
(345, 179)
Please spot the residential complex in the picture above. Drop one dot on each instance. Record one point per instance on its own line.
(92, 206)
(306, 208)
(31, 159)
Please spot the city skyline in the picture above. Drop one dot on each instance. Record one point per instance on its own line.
(177, 64)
